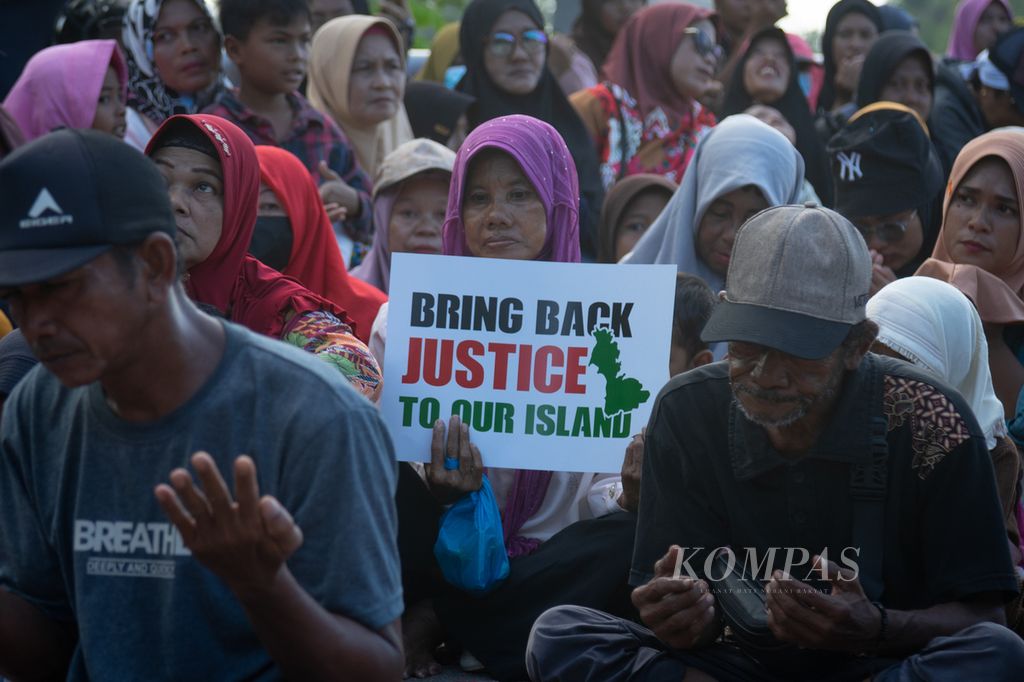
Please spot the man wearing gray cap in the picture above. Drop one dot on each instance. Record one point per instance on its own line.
(836, 509)
(115, 564)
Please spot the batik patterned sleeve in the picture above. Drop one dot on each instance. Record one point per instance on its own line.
(328, 338)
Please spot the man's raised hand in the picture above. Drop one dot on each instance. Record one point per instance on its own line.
(244, 541)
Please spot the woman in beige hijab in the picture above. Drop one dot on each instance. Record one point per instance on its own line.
(357, 76)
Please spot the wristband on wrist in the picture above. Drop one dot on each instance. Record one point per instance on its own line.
(883, 628)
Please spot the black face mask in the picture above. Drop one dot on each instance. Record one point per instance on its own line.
(272, 241)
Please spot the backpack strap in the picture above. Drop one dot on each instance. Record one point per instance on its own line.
(868, 483)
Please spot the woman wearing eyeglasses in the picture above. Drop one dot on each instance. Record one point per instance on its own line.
(172, 51)
(888, 180)
(980, 251)
(646, 117)
(505, 50)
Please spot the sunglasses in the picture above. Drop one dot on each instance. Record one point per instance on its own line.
(889, 232)
(705, 46)
(502, 44)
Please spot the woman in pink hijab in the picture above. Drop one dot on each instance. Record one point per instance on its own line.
(977, 26)
(76, 85)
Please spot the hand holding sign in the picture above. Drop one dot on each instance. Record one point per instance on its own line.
(455, 468)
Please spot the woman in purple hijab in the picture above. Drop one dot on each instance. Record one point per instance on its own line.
(534, 153)
(976, 27)
(514, 195)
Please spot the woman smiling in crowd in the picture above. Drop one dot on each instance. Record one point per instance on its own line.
(513, 196)
(647, 117)
(505, 50)
(767, 74)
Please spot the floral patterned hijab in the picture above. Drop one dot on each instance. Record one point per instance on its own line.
(147, 93)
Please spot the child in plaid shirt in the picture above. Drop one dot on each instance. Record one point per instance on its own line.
(269, 43)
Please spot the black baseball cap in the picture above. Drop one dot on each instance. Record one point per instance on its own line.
(69, 197)
(883, 162)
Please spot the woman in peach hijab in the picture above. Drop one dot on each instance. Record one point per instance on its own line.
(980, 250)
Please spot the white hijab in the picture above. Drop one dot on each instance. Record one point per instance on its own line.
(740, 151)
(935, 326)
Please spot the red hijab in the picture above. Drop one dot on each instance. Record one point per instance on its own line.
(315, 259)
(242, 288)
(641, 57)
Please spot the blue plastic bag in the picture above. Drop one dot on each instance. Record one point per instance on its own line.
(470, 547)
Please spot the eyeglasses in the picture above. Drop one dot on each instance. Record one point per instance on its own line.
(502, 44)
(705, 46)
(889, 232)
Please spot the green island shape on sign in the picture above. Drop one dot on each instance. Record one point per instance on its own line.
(621, 393)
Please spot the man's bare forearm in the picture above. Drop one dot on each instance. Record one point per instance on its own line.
(910, 631)
(33, 647)
(310, 643)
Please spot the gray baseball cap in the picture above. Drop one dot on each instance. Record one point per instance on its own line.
(798, 279)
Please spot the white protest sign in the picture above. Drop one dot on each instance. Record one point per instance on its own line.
(552, 365)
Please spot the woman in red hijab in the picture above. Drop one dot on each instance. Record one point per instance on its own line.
(212, 177)
(313, 258)
(662, 62)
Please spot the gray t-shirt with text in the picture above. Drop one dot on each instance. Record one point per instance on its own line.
(83, 538)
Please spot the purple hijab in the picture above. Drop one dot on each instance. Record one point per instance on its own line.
(60, 85)
(968, 13)
(541, 153)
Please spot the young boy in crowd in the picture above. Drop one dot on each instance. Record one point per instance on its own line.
(268, 40)
(693, 305)
(694, 302)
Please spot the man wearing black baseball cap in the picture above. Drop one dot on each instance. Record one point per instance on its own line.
(858, 489)
(114, 563)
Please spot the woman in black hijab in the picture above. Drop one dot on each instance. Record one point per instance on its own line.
(898, 68)
(507, 73)
(848, 40)
(767, 74)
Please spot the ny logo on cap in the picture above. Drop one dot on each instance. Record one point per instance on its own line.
(45, 203)
(849, 166)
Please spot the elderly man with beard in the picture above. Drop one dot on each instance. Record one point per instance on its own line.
(855, 488)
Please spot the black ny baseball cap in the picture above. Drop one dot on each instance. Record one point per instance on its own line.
(883, 162)
(70, 196)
